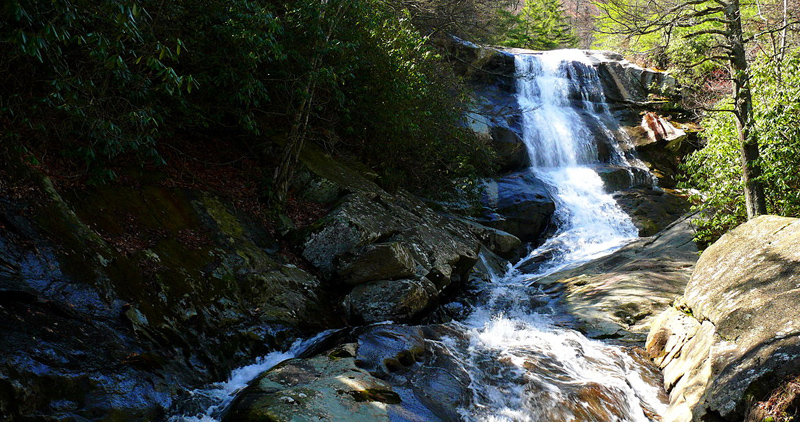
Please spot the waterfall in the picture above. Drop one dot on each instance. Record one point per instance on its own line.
(561, 99)
(525, 363)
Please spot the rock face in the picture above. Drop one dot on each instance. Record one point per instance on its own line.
(616, 178)
(368, 230)
(112, 300)
(661, 145)
(652, 209)
(628, 90)
(394, 252)
(389, 373)
(519, 204)
(626, 82)
(390, 300)
(735, 335)
(619, 295)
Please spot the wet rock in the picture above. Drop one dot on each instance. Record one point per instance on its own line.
(511, 151)
(323, 388)
(734, 336)
(115, 299)
(519, 204)
(390, 300)
(616, 178)
(497, 241)
(378, 261)
(391, 373)
(653, 209)
(619, 295)
(387, 349)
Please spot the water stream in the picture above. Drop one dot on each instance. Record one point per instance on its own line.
(524, 361)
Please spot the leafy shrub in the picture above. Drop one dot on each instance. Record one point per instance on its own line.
(716, 169)
(102, 79)
(91, 72)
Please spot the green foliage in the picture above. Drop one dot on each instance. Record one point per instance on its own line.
(103, 79)
(407, 118)
(540, 25)
(88, 71)
(668, 48)
(716, 169)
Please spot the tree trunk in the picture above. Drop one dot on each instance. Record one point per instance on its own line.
(751, 170)
(299, 129)
(294, 145)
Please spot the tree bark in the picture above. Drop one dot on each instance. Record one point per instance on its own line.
(743, 105)
(300, 120)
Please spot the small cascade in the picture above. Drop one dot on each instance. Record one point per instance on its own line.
(209, 404)
(563, 107)
(565, 117)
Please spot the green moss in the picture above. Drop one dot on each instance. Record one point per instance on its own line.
(226, 221)
(375, 394)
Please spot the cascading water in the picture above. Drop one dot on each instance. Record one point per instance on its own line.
(524, 361)
(524, 364)
(208, 404)
(560, 96)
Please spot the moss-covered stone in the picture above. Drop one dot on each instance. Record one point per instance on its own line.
(316, 389)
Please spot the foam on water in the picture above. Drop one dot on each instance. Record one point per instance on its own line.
(524, 361)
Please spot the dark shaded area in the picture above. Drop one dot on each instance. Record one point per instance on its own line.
(114, 301)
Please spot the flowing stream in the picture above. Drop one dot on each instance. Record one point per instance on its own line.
(524, 361)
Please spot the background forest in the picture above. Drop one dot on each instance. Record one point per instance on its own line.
(101, 85)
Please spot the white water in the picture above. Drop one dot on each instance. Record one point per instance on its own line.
(524, 364)
(214, 399)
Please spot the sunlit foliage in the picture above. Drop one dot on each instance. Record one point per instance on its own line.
(716, 169)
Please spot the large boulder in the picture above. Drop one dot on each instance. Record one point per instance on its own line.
(388, 373)
(519, 204)
(511, 150)
(394, 252)
(652, 209)
(661, 144)
(437, 244)
(734, 336)
(626, 82)
(616, 178)
(389, 300)
(619, 295)
(324, 388)
(377, 261)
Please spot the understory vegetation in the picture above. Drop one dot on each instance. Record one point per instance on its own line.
(716, 170)
(109, 82)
